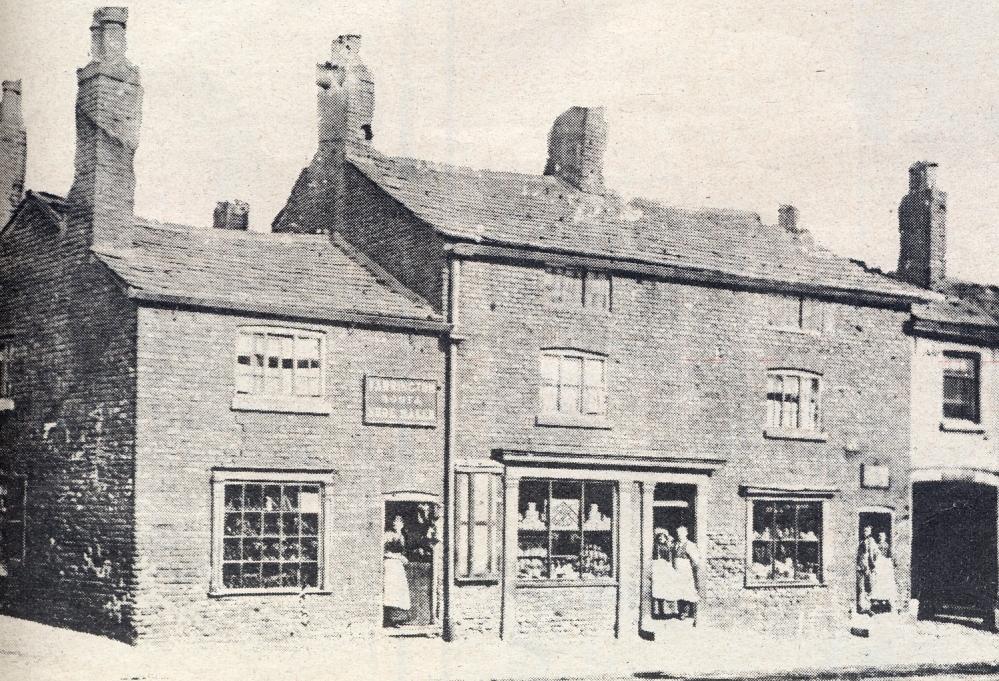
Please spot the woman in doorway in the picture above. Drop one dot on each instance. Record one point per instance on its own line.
(396, 585)
(686, 559)
(883, 588)
(663, 574)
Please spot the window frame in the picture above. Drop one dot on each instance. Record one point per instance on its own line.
(801, 303)
(275, 401)
(778, 430)
(465, 506)
(581, 418)
(824, 553)
(222, 477)
(554, 287)
(613, 528)
(976, 360)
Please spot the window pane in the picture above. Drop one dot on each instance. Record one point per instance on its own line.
(593, 372)
(789, 415)
(775, 398)
(549, 399)
(811, 420)
(571, 370)
(549, 369)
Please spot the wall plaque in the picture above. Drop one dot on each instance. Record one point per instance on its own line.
(874, 476)
(400, 401)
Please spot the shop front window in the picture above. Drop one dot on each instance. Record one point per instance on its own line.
(565, 530)
(786, 542)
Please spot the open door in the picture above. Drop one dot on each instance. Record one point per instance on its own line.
(411, 560)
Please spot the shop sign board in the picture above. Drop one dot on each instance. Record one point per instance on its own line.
(874, 476)
(400, 401)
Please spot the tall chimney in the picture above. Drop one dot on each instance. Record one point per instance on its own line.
(576, 146)
(13, 149)
(787, 218)
(346, 94)
(232, 215)
(922, 226)
(108, 113)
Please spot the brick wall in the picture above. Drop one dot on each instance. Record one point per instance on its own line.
(71, 433)
(687, 376)
(186, 428)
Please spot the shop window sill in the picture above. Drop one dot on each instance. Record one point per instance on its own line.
(228, 593)
(285, 405)
(6, 404)
(572, 421)
(785, 585)
(803, 435)
(959, 426)
(476, 581)
(558, 583)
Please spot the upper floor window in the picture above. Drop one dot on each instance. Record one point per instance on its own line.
(573, 383)
(961, 386)
(575, 287)
(279, 362)
(797, 312)
(793, 399)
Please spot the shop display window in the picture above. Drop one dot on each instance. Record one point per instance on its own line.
(271, 536)
(565, 530)
(786, 542)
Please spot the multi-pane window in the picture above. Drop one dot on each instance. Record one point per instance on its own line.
(478, 524)
(786, 542)
(279, 362)
(575, 287)
(573, 383)
(961, 386)
(271, 535)
(793, 399)
(796, 312)
(11, 521)
(565, 530)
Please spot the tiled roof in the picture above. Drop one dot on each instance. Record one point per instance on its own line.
(304, 275)
(542, 212)
(966, 303)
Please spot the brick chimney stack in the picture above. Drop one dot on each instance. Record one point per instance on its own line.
(346, 99)
(922, 226)
(108, 114)
(576, 146)
(787, 218)
(232, 215)
(13, 149)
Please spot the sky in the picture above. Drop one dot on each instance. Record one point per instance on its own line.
(820, 105)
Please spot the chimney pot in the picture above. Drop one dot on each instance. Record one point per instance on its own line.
(232, 215)
(108, 33)
(576, 146)
(787, 218)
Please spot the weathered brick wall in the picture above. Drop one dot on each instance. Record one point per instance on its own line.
(566, 612)
(71, 434)
(687, 376)
(187, 428)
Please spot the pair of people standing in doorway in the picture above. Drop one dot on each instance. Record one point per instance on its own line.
(876, 587)
(674, 563)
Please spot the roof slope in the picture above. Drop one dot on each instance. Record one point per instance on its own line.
(966, 303)
(542, 212)
(305, 275)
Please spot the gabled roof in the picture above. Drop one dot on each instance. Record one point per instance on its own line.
(543, 212)
(290, 275)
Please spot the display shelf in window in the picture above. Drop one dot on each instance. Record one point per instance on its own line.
(786, 543)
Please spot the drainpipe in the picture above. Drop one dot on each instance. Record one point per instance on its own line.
(450, 276)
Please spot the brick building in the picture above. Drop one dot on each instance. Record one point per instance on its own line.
(955, 391)
(621, 368)
(203, 429)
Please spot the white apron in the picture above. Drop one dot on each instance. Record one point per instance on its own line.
(396, 583)
(883, 587)
(686, 588)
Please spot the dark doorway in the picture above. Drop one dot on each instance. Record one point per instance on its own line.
(673, 507)
(954, 563)
(410, 539)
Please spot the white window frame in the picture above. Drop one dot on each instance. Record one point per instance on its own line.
(584, 417)
(274, 401)
(466, 546)
(825, 547)
(220, 478)
(780, 430)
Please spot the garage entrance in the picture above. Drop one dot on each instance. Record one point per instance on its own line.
(954, 563)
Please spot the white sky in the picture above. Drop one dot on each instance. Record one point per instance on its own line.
(823, 105)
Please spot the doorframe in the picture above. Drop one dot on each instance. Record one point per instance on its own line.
(434, 628)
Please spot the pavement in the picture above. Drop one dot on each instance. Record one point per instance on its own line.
(895, 649)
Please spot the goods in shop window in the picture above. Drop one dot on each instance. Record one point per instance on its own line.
(596, 562)
(565, 513)
(531, 519)
(596, 521)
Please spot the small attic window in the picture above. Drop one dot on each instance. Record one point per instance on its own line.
(574, 287)
(368, 135)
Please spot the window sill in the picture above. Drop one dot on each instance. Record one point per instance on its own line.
(572, 421)
(804, 435)
(286, 405)
(557, 583)
(959, 426)
(476, 581)
(268, 592)
(6, 404)
(785, 585)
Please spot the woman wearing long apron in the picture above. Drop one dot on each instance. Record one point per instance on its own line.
(663, 574)
(686, 558)
(396, 584)
(883, 588)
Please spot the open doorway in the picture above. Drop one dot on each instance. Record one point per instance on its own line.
(411, 546)
(675, 558)
(877, 591)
